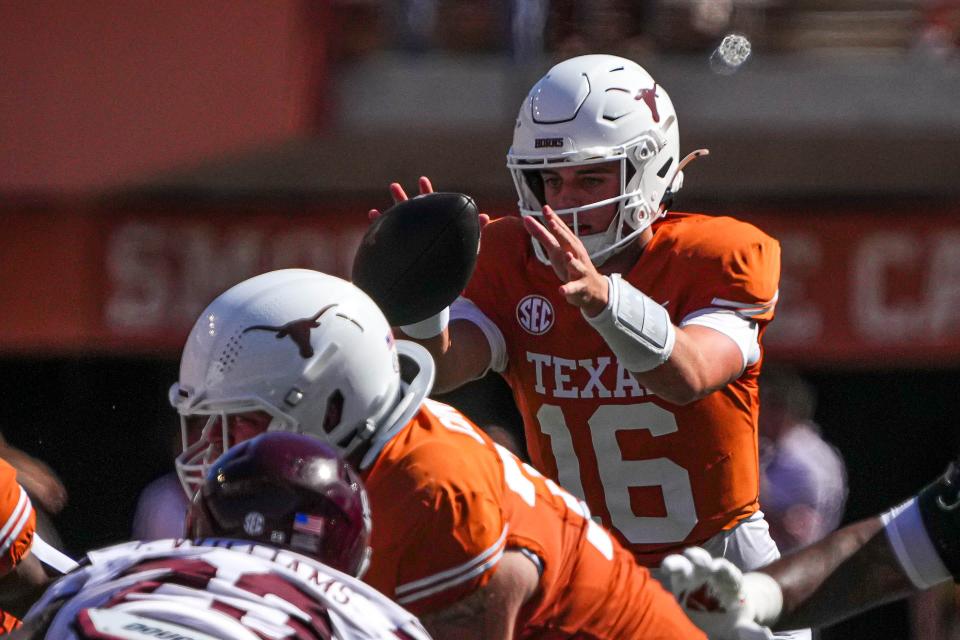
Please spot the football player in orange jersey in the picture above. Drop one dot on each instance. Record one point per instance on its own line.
(630, 335)
(474, 542)
(23, 555)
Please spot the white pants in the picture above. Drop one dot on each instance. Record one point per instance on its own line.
(749, 546)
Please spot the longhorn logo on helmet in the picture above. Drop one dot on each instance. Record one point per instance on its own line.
(649, 97)
(297, 330)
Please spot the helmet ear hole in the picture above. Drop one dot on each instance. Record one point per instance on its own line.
(334, 413)
(662, 173)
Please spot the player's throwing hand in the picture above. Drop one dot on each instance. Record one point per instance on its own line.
(398, 194)
(583, 286)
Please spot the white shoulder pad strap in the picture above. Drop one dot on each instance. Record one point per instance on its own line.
(50, 556)
(413, 392)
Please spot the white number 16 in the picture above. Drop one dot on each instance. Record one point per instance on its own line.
(617, 474)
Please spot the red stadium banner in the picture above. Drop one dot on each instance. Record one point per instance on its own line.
(861, 289)
(134, 282)
(857, 289)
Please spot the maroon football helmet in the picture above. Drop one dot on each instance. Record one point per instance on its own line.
(287, 490)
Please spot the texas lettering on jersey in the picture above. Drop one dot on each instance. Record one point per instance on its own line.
(556, 377)
(447, 503)
(661, 476)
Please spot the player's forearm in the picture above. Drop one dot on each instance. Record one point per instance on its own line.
(36, 477)
(23, 586)
(461, 353)
(454, 369)
(825, 583)
(437, 345)
(490, 612)
(701, 362)
(679, 380)
(909, 548)
(439, 348)
(681, 365)
(671, 383)
(476, 619)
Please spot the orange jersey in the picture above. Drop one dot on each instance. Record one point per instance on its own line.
(447, 502)
(8, 623)
(17, 526)
(661, 476)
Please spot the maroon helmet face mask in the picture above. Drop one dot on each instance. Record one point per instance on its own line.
(287, 490)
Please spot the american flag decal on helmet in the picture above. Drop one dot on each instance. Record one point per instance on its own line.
(305, 523)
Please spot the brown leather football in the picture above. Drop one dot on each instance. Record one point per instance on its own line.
(418, 256)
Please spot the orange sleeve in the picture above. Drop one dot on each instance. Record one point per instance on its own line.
(502, 244)
(734, 266)
(17, 519)
(441, 532)
(8, 623)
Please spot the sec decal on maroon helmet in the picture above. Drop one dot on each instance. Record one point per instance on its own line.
(418, 256)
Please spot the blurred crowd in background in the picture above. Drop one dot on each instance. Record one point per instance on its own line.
(636, 28)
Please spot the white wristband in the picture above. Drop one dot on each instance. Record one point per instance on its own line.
(764, 596)
(429, 327)
(637, 329)
(911, 544)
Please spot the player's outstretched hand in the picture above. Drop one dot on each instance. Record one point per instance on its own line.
(416, 258)
(399, 195)
(710, 591)
(583, 286)
(39, 480)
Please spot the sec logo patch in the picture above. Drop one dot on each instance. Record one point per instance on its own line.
(253, 523)
(535, 314)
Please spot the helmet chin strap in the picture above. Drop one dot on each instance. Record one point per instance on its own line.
(677, 176)
(412, 393)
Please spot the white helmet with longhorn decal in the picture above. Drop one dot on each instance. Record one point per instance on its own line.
(293, 350)
(597, 109)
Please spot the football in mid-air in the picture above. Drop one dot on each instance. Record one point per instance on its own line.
(418, 256)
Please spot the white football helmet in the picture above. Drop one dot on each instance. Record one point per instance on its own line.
(595, 109)
(308, 351)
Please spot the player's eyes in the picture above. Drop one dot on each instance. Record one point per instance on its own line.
(245, 427)
(552, 183)
(196, 424)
